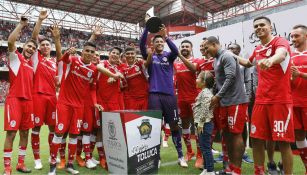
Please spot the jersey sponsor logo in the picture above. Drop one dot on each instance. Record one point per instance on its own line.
(53, 68)
(13, 123)
(60, 126)
(81, 76)
(36, 119)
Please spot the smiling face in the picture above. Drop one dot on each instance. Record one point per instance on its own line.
(45, 48)
(130, 57)
(114, 56)
(88, 53)
(262, 28)
(210, 48)
(28, 49)
(186, 49)
(298, 37)
(158, 44)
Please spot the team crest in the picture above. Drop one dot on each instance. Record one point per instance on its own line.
(36, 119)
(268, 52)
(137, 68)
(145, 129)
(253, 129)
(164, 59)
(60, 126)
(112, 129)
(89, 74)
(13, 123)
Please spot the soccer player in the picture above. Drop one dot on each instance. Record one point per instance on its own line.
(299, 88)
(135, 73)
(18, 111)
(232, 100)
(247, 79)
(79, 79)
(187, 92)
(273, 66)
(161, 84)
(44, 95)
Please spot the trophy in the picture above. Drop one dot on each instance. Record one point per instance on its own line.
(153, 23)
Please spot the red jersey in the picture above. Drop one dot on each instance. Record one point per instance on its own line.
(136, 77)
(109, 92)
(44, 74)
(77, 79)
(205, 65)
(185, 81)
(299, 85)
(274, 83)
(21, 76)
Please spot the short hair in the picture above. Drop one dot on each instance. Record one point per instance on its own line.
(237, 45)
(88, 43)
(156, 36)
(213, 39)
(116, 48)
(129, 49)
(300, 26)
(263, 17)
(204, 38)
(187, 41)
(44, 39)
(208, 78)
(32, 41)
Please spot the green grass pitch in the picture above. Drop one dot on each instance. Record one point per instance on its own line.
(168, 156)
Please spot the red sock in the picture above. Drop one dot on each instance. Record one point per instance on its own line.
(86, 147)
(56, 144)
(199, 154)
(7, 158)
(167, 132)
(259, 170)
(100, 150)
(63, 148)
(79, 146)
(224, 150)
(235, 170)
(35, 144)
(187, 139)
(22, 154)
(50, 138)
(93, 142)
(303, 154)
(72, 147)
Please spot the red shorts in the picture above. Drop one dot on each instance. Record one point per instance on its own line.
(273, 122)
(136, 104)
(216, 117)
(300, 118)
(68, 119)
(185, 108)
(111, 106)
(233, 118)
(44, 111)
(18, 114)
(89, 119)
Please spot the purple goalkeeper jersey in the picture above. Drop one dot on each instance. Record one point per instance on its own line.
(160, 69)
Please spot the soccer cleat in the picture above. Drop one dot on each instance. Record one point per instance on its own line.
(164, 144)
(80, 161)
(182, 162)
(280, 168)
(210, 173)
(204, 172)
(95, 161)
(103, 163)
(246, 158)
(214, 151)
(90, 164)
(70, 169)
(189, 156)
(7, 171)
(219, 159)
(38, 164)
(62, 164)
(272, 170)
(199, 163)
(52, 170)
(224, 172)
(21, 167)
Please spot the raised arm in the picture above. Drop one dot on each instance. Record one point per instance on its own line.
(96, 33)
(279, 56)
(105, 71)
(14, 35)
(187, 63)
(55, 31)
(143, 43)
(42, 15)
(244, 62)
(174, 51)
(149, 59)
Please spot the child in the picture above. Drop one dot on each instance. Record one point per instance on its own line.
(203, 115)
